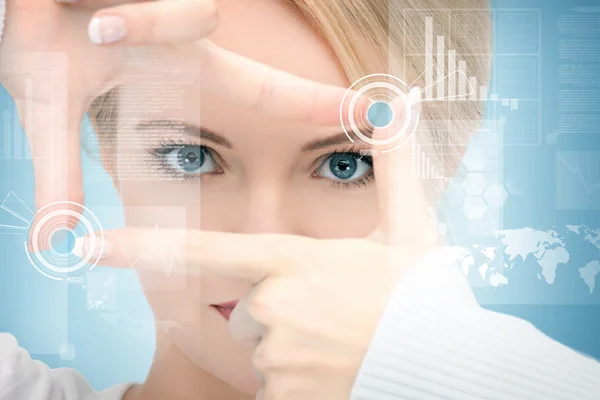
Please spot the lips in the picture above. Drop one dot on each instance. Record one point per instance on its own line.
(225, 309)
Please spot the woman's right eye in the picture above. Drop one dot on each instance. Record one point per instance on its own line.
(187, 161)
(191, 160)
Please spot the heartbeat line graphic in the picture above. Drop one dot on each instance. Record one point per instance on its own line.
(576, 171)
(154, 246)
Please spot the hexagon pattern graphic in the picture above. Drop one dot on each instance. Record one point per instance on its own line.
(474, 183)
(474, 207)
(495, 195)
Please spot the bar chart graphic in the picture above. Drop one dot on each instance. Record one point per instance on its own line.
(452, 84)
(514, 88)
(424, 167)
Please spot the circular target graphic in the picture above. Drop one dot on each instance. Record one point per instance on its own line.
(384, 93)
(53, 239)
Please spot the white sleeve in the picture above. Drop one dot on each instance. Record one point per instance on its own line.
(22, 378)
(434, 341)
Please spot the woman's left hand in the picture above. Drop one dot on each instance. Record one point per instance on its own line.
(316, 302)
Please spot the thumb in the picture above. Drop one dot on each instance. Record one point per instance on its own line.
(51, 121)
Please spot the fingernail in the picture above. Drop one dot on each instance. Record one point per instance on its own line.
(66, 1)
(107, 29)
(415, 94)
(362, 113)
(366, 106)
(82, 249)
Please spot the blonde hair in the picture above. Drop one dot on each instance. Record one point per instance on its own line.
(383, 36)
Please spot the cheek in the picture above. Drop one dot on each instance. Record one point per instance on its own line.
(326, 212)
(163, 204)
(312, 209)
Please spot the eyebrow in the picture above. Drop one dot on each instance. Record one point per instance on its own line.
(180, 126)
(339, 138)
(318, 144)
(207, 134)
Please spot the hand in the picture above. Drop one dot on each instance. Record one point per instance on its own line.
(316, 303)
(53, 72)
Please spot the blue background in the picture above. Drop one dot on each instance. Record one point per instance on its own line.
(533, 168)
(114, 347)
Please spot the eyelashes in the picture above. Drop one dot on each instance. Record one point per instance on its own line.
(347, 168)
(176, 160)
(335, 167)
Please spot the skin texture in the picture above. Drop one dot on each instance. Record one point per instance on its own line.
(267, 186)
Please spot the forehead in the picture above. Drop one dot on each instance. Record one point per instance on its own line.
(271, 32)
(275, 33)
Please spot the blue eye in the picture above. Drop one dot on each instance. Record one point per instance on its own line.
(189, 160)
(346, 167)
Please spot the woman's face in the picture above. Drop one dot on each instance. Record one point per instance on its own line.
(236, 170)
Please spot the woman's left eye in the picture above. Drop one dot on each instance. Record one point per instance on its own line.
(346, 168)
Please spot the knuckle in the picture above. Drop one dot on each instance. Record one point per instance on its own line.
(312, 110)
(261, 305)
(208, 15)
(266, 357)
(154, 30)
(211, 14)
(281, 389)
(306, 360)
(267, 90)
(145, 27)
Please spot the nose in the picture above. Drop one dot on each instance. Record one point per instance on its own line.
(266, 210)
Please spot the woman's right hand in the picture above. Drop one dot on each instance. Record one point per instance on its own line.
(56, 58)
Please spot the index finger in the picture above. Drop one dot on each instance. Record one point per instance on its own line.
(196, 253)
(251, 84)
(269, 90)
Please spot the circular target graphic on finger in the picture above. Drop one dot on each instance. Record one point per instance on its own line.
(53, 240)
(379, 102)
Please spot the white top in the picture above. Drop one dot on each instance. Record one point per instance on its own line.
(433, 342)
(22, 378)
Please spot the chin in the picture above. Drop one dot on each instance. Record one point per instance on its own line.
(243, 380)
(248, 387)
